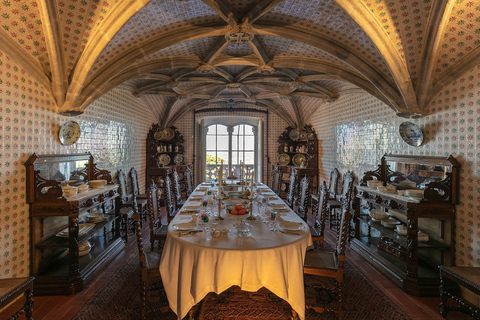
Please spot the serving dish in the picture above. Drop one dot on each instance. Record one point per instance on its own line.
(163, 159)
(69, 133)
(378, 215)
(411, 134)
(83, 228)
(85, 247)
(298, 159)
(179, 159)
(184, 226)
(390, 223)
(283, 159)
(97, 184)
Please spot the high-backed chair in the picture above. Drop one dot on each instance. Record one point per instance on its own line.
(177, 188)
(302, 208)
(333, 183)
(319, 212)
(188, 174)
(158, 231)
(170, 198)
(330, 264)
(125, 203)
(292, 189)
(141, 198)
(276, 180)
(150, 278)
(336, 203)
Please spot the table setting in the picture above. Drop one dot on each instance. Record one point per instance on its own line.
(234, 241)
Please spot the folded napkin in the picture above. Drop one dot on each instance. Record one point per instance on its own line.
(278, 205)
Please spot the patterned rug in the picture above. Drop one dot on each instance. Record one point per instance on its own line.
(119, 299)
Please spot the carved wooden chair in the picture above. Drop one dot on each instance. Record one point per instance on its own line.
(319, 212)
(170, 198)
(335, 203)
(276, 180)
(158, 231)
(329, 264)
(124, 204)
(333, 184)
(177, 189)
(188, 174)
(149, 265)
(302, 208)
(141, 198)
(292, 189)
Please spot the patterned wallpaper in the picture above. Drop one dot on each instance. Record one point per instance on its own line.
(358, 129)
(113, 129)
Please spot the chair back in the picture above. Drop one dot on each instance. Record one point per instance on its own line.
(276, 180)
(303, 197)
(122, 189)
(134, 180)
(169, 198)
(333, 183)
(177, 186)
(292, 188)
(138, 234)
(153, 207)
(320, 217)
(347, 185)
(342, 233)
(189, 180)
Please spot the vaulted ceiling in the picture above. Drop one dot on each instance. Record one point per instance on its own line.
(288, 56)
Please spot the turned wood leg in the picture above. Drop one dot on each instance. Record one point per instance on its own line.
(143, 294)
(294, 315)
(29, 304)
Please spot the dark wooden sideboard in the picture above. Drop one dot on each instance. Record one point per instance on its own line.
(410, 263)
(56, 263)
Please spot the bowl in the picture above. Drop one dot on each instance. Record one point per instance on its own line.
(378, 215)
(69, 191)
(84, 248)
(82, 188)
(414, 193)
(390, 223)
(97, 184)
(96, 217)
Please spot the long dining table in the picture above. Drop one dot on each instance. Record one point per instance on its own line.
(193, 265)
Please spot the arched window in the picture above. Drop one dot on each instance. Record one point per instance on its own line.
(235, 145)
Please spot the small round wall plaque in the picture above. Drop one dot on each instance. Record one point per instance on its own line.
(69, 133)
(411, 134)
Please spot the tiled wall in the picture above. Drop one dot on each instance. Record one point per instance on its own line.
(113, 129)
(355, 131)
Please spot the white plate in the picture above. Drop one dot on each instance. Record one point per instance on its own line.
(184, 226)
(278, 206)
(291, 226)
(191, 207)
(83, 228)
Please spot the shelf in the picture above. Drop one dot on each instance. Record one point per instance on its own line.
(430, 244)
(57, 242)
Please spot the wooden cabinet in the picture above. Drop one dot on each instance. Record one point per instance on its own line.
(410, 260)
(298, 151)
(165, 153)
(59, 224)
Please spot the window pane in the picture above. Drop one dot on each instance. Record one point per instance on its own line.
(212, 130)
(249, 158)
(249, 143)
(222, 156)
(211, 144)
(235, 142)
(222, 142)
(221, 129)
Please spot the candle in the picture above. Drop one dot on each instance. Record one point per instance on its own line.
(220, 179)
(251, 186)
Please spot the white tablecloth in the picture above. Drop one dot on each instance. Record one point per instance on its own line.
(192, 266)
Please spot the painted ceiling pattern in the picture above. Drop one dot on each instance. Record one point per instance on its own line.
(283, 55)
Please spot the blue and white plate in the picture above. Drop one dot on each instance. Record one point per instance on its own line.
(411, 134)
(69, 133)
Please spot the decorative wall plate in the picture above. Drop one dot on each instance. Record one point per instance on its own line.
(298, 159)
(69, 133)
(283, 159)
(169, 133)
(303, 135)
(411, 134)
(294, 134)
(159, 135)
(163, 160)
(179, 159)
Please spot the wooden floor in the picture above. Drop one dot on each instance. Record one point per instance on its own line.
(64, 307)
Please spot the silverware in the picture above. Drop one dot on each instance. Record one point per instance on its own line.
(288, 232)
(185, 233)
